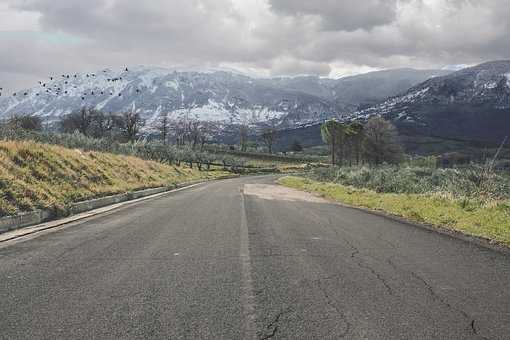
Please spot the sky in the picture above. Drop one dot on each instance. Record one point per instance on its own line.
(265, 38)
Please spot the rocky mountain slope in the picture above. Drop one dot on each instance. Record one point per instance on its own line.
(473, 103)
(221, 97)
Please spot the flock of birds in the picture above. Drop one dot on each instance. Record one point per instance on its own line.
(61, 88)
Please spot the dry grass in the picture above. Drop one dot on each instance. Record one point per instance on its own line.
(34, 176)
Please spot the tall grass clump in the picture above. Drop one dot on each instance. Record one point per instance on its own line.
(459, 183)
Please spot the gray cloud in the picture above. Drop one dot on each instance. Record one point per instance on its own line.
(268, 37)
(289, 66)
(341, 15)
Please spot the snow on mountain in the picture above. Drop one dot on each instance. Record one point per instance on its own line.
(218, 96)
(470, 103)
(222, 97)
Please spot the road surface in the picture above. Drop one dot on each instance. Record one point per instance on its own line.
(245, 259)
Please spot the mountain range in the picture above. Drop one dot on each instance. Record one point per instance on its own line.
(470, 104)
(222, 97)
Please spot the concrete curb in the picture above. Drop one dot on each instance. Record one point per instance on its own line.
(28, 219)
(24, 220)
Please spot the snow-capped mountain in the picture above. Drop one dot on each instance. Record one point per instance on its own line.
(222, 97)
(473, 103)
(217, 97)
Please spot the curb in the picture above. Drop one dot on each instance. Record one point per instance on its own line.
(39, 220)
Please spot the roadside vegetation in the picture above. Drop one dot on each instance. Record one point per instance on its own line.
(90, 154)
(488, 219)
(42, 176)
(174, 142)
(370, 170)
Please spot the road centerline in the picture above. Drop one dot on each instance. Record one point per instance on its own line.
(247, 296)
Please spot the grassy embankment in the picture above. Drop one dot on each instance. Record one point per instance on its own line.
(35, 176)
(446, 198)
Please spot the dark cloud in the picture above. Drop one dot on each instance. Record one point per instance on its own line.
(346, 15)
(269, 37)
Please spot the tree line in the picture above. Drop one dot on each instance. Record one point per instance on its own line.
(123, 127)
(374, 142)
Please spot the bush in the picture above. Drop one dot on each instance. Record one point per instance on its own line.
(471, 182)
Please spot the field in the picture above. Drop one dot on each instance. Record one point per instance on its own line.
(466, 200)
(35, 175)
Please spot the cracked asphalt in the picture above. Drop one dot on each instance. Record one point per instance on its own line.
(241, 259)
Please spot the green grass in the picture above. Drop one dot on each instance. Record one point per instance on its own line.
(489, 220)
(473, 182)
(35, 176)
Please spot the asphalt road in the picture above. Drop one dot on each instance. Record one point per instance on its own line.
(233, 260)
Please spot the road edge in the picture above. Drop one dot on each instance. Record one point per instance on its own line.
(36, 228)
(455, 234)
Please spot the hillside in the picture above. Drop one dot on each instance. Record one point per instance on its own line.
(471, 104)
(34, 176)
(221, 97)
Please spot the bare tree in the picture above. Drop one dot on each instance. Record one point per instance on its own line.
(268, 138)
(77, 121)
(381, 143)
(178, 127)
(164, 127)
(132, 125)
(25, 122)
(193, 133)
(205, 134)
(243, 137)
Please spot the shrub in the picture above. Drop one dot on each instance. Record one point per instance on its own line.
(472, 183)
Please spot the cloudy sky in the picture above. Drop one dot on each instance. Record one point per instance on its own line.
(259, 37)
